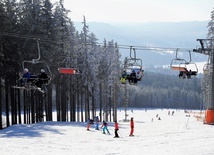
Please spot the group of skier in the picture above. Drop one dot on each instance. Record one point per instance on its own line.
(104, 126)
(132, 78)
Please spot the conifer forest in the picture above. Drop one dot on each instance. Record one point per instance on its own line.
(39, 29)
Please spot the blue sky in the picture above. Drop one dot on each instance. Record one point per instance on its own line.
(139, 10)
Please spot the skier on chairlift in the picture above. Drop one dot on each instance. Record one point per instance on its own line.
(25, 77)
(42, 79)
(133, 79)
(123, 77)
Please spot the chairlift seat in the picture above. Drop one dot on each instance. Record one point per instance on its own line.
(183, 69)
(67, 71)
(32, 78)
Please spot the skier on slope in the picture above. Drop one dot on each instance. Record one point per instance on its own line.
(132, 127)
(96, 119)
(104, 126)
(116, 128)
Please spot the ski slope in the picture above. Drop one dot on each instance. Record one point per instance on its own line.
(172, 135)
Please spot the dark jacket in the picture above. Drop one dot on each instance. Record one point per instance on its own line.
(26, 75)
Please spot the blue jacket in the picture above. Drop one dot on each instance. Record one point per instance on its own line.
(26, 75)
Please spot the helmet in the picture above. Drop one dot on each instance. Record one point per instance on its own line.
(25, 70)
(42, 70)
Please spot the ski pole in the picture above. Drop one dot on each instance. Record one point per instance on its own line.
(120, 134)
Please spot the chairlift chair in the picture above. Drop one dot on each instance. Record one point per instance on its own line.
(185, 68)
(69, 71)
(178, 64)
(207, 66)
(35, 66)
(131, 64)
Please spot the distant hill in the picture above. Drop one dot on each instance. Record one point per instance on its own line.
(154, 34)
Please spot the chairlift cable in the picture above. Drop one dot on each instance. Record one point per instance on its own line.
(122, 46)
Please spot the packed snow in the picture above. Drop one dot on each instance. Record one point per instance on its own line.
(178, 134)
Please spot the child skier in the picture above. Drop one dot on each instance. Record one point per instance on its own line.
(96, 119)
(116, 128)
(104, 126)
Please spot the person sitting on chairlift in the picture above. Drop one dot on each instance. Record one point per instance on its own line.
(123, 77)
(133, 78)
(25, 77)
(181, 74)
(189, 74)
(42, 79)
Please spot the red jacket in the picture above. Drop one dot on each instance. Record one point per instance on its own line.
(132, 124)
(116, 127)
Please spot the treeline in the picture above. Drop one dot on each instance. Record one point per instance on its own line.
(158, 90)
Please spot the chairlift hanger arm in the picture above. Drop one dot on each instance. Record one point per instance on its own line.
(38, 48)
(180, 59)
(176, 54)
(132, 49)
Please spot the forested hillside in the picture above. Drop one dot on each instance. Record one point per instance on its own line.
(158, 90)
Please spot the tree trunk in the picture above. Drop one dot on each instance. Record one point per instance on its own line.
(101, 103)
(7, 106)
(58, 98)
(63, 100)
(1, 96)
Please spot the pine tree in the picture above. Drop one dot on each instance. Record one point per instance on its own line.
(210, 26)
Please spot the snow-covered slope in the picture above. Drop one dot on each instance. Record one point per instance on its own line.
(174, 134)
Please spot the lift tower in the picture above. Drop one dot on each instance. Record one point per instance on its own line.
(207, 49)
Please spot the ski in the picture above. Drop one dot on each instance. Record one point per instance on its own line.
(18, 87)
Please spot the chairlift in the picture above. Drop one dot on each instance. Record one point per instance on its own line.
(178, 64)
(207, 66)
(35, 66)
(185, 68)
(132, 64)
(69, 71)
